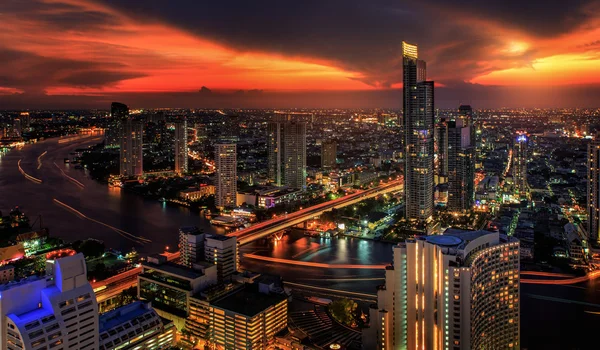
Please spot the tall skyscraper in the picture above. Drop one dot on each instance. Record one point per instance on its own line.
(418, 104)
(442, 146)
(593, 189)
(57, 311)
(286, 144)
(461, 162)
(226, 164)
(131, 147)
(181, 146)
(119, 113)
(222, 251)
(520, 155)
(457, 291)
(328, 154)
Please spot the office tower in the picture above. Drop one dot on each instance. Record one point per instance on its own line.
(17, 127)
(191, 245)
(226, 165)
(58, 311)
(168, 286)
(25, 119)
(119, 112)
(454, 291)
(520, 155)
(286, 144)
(250, 319)
(418, 104)
(593, 189)
(131, 147)
(461, 165)
(135, 326)
(181, 147)
(442, 146)
(328, 154)
(222, 251)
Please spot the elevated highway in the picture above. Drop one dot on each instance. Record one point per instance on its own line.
(282, 222)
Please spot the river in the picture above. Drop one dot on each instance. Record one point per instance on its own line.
(553, 317)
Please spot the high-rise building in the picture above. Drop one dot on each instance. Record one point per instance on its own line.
(520, 155)
(442, 146)
(56, 311)
(454, 291)
(181, 147)
(222, 251)
(461, 164)
(418, 104)
(328, 154)
(286, 145)
(226, 165)
(131, 147)
(119, 113)
(25, 119)
(593, 189)
(191, 245)
(169, 286)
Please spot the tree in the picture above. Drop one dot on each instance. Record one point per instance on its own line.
(343, 310)
(127, 296)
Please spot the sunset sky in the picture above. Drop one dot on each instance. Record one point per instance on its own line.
(329, 53)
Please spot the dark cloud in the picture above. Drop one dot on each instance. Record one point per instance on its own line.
(365, 36)
(97, 78)
(33, 73)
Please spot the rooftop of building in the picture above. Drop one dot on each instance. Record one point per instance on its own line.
(123, 315)
(248, 301)
(219, 237)
(193, 230)
(465, 235)
(175, 269)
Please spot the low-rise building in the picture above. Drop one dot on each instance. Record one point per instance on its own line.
(196, 193)
(135, 326)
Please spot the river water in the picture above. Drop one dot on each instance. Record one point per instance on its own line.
(553, 317)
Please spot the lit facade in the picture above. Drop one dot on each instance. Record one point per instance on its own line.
(286, 146)
(226, 165)
(191, 245)
(131, 152)
(118, 113)
(328, 154)
(461, 162)
(454, 291)
(237, 323)
(181, 147)
(442, 147)
(520, 159)
(168, 286)
(135, 326)
(593, 189)
(58, 311)
(418, 104)
(222, 251)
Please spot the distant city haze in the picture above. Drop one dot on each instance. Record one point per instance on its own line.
(334, 54)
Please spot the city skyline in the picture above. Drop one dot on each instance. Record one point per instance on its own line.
(350, 55)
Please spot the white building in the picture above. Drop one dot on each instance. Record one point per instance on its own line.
(226, 164)
(58, 311)
(454, 291)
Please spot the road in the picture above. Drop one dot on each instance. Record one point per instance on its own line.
(282, 222)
